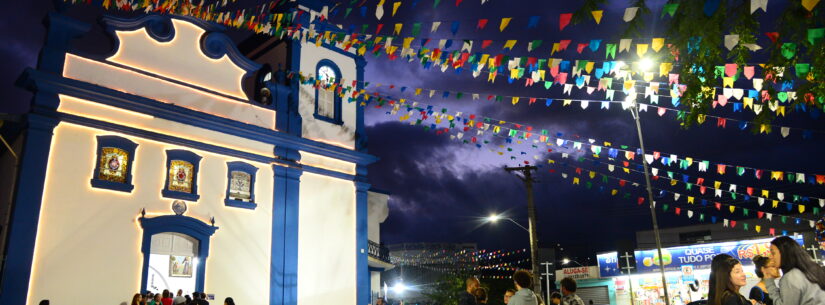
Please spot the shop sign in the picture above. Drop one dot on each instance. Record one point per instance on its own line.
(687, 273)
(699, 256)
(578, 273)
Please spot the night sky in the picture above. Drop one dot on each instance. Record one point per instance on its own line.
(441, 188)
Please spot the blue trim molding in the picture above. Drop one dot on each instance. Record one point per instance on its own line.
(360, 130)
(284, 266)
(362, 273)
(25, 213)
(336, 116)
(176, 224)
(123, 144)
(187, 156)
(237, 166)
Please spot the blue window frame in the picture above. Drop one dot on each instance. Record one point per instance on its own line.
(113, 165)
(240, 185)
(327, 102)
(181, 175)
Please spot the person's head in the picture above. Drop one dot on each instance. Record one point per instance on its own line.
(728, 278)
(43, 302)
(137, 298)
(166, 293)
(188, 299)
(180, 292)
(472, 284)
(717, 261)
(568, 286)
(228, 301)
(507, 294)
(590, 302)
(157, 297)
(523, 279)
(481, 295)
(787, 255)
(379, 301)
(555, 298)
(759, 265)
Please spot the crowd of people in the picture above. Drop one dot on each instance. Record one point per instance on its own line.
(801, 282)
(168, 298)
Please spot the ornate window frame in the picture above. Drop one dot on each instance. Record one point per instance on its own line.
(188, 156)
(337, 100)
(246, 168)
(120, 143)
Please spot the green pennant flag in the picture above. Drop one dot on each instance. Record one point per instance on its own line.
(795, 198)
(436, 3)
(520, 72)
(702, 217)
(544, 132)
(745, 212)
(604, 179)
(664, 207)
(670, 174)
(733, 195)
(349, 10)
(522, 62)
(669, 9)
(535, 45)
(542, 63)
(626, 195)
(688, 186)
(740, 170)
(680, 114)
(364, 30)
(548, 84)
(499, 98)
(581, 64)
(788, 50)
(610, 51)
(802, 70)
(458, 95)
(816, 211)
(624, 146)
(815, 34)
(416, 29)
(513, 132)
(720, 71)
(745, 225)
(784, 219)
(588, 184)
(418, 122)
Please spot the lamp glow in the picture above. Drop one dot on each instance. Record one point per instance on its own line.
(645, 64)
(565, 261)
(399, 288)
(493, 218)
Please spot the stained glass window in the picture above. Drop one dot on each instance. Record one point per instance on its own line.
(239, 186)
(180, 176)
(113, 164)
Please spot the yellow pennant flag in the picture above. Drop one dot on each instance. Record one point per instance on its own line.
(318, 41)
(597, 15)
(801, 209)
(701, 118)
(648, 76)
(589, 66)
(407, 42)
(717, 184)
(626, 170)
(566, 102)
(592, 174)
(417, 91)
(727, 82)
(766, 193)
(758, 228)
(395, 7)
(673, 182)
(748, 102)
(555, 49)
(515, 100)
(763, 128)
(690, 199)
(491, 77)
(504, 23)
(780, 110)
(575, 180)
(362, 50)
(509, 44)
(514, 73)
(657, 44)
(775, 203)
(665, 68)
(483, 58)
(614, 192)
(809, 4)
(732, 208)
(641, 49)
(397, 30)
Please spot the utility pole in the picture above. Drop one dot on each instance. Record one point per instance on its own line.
(635, 111)
(527, 178)
(627, 268)
(547, 275)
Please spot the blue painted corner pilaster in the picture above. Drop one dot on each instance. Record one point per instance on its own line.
(25, 215)
(61, 31)
(284, 266)
(360, 130)
(362, 241)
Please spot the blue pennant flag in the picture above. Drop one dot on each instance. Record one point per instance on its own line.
(532, 22)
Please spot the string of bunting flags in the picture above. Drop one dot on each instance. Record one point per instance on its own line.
(444, 256)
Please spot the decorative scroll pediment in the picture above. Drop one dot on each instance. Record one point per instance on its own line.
(182, 49)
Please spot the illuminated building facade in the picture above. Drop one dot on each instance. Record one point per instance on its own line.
(177, 162)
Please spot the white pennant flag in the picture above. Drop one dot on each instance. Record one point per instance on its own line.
(605, 105)
(761, 201)
(475, 96)
(822, 203)
(379, 10)
(726, 223)
(738, 93)
(780, 196)
(568, 88)
(609, 94)
(611, 167)
(676, 196)
(690, 214)
(564, 155)
(727, 92)
(812, 223)
(584, 104)
(643, 107)
(757, 84)
(435, 26)
(757, 109)
(649, 158)
(718, 193)
(731, 41)
(630, 13)
(732, 188)
(624, 44)
(752, 46)
(564, 175)
(655, 171)
(769, 216)
(757, 4)
(785, 131)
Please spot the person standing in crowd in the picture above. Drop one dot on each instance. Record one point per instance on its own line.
(137, 298)
(468, 298)
(555, 298)
(802, 281)
(568, 289)
(759, 292)
(481, 295)
(228, 301)
(716, 263)
(728, 279)
(179, 299)
(166, 299)
(380, 301)
(507, 294)
(523, 281)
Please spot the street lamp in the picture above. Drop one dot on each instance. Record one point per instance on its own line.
(634, 110)
(566, 261)
(495, 217)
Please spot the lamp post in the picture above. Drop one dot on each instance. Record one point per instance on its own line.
(646, 64)
(533, 249)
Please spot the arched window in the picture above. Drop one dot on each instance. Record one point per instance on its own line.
(327, 99)
(262, 93)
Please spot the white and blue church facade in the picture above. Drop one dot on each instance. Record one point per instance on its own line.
(177, 162)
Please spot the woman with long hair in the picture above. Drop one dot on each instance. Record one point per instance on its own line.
(802, 282)
(715, 264)
(727, 278)
(137, 299)
(759, 292)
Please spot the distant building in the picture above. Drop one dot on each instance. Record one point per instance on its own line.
(710, 232)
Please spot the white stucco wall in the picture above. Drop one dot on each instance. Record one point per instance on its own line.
(326, 243)
(378, 212)
(341, 135)
(90, 238)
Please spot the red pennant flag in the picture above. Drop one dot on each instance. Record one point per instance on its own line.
(457, 2)
(772, 231)
(486, 43)
(482, 23)
(532, 101)
(759, 214)
(655, 178)
(718, 206)
(733, 223)
(749, 190)
(641, 200)
(820, 179)
(678, 211)
(758, 173)
(774, 36)
(622, 182)
(702, 189)
(563, 44)
(378, 29)
(656, 155)
(489, 97)
(564, 20)
(579, 170)
(720, 168)
(581, 47)
(700, 180)
(625, 163)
